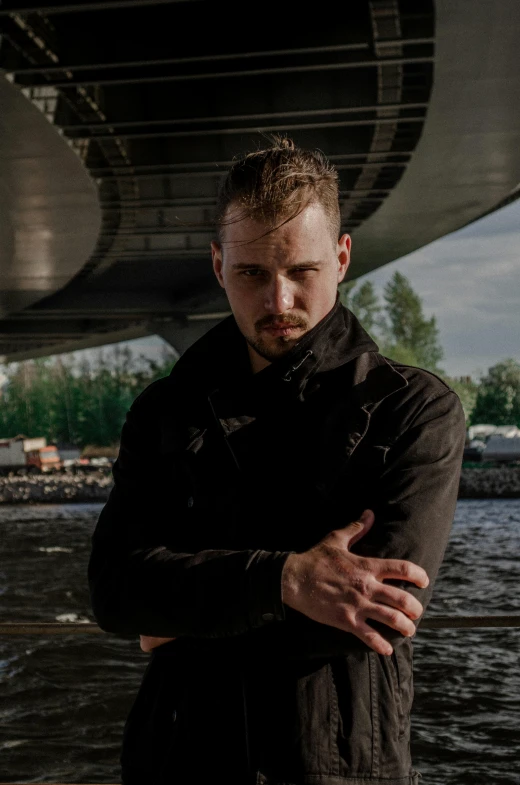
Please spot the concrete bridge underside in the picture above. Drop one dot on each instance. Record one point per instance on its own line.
(118, 120)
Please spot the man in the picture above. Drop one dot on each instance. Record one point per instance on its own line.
(281, 506)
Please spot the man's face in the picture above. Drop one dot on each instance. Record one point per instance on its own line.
(282, 284)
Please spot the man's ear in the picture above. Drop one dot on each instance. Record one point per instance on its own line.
(343, 251)
(216, 256)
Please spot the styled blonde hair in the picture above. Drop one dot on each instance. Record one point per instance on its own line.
(275, 184)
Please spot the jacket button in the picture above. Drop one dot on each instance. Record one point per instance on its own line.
(174, 715)
(268, 616)
(191, 501)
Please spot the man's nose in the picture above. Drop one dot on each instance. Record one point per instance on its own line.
(279, 296)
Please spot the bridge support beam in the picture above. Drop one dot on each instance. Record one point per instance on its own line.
(181, 335)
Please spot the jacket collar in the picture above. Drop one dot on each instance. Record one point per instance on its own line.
(375, 379)
(220, 360)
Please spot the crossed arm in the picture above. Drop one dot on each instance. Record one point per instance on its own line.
(328, 584)
(333, 586)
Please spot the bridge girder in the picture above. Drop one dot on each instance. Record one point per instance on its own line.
(391, 91)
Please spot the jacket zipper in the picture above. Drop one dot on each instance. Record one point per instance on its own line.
(287, 377)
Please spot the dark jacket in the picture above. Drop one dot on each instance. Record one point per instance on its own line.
(221, 474)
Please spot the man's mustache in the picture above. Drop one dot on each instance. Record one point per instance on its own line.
(270, 320)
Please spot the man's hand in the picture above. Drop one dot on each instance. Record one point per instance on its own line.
(330, 585)
(148, 642)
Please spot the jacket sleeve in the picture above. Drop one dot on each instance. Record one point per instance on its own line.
(140, 583)
(413, 498)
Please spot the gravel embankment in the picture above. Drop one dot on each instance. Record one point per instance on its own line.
(498, 482)
(56, 488)
(486, 483)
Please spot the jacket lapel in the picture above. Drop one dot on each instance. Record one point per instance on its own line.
(348, 422)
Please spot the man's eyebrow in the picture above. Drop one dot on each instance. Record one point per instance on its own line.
(317, 263)
(257, 265)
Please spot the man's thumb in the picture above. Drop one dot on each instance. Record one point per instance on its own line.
(357, 529)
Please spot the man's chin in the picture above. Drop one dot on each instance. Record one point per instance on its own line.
(273, 349)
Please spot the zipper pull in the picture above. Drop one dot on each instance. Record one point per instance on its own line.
(287, 377)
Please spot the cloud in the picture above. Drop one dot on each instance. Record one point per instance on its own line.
(500, 221)
(470, 281)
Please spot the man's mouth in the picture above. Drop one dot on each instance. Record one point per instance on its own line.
(280, 329)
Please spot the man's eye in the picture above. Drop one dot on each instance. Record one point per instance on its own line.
(253, 273)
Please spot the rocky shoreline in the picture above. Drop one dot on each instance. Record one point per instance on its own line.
(493, 482)
(91, 486)
(475, 483)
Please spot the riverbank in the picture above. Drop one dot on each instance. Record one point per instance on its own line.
(494, 482)
(56, 488)
(475, 483)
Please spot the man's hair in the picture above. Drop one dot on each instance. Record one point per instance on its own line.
(275, 184)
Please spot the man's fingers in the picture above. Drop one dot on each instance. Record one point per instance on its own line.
(396, 569)
(392, 618)
(372, 638)
(399, 599)
(148, 642)
(357, 529)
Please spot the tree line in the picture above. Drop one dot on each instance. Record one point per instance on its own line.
(82, 399)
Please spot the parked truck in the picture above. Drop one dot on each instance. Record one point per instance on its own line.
(493, 443)
(33, 456)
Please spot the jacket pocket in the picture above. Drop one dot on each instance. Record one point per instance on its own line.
(396, 683)
(403, 663)
(290, 715)
(389, 716)
(354, 732)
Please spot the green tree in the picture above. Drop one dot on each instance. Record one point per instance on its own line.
(400, 328)
(363, 302)
(405, 326)
(82, 401)
(498, 397)
(345, 288)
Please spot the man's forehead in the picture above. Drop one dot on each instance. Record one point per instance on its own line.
(268, 253)
(282, 230)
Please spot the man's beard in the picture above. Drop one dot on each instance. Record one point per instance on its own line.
(280, 344)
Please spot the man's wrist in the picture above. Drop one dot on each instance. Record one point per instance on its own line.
(264, 587)
(290, 583)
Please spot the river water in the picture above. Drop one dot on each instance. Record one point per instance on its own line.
(64, 698)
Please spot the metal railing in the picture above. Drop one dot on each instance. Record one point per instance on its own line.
(89, 628)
